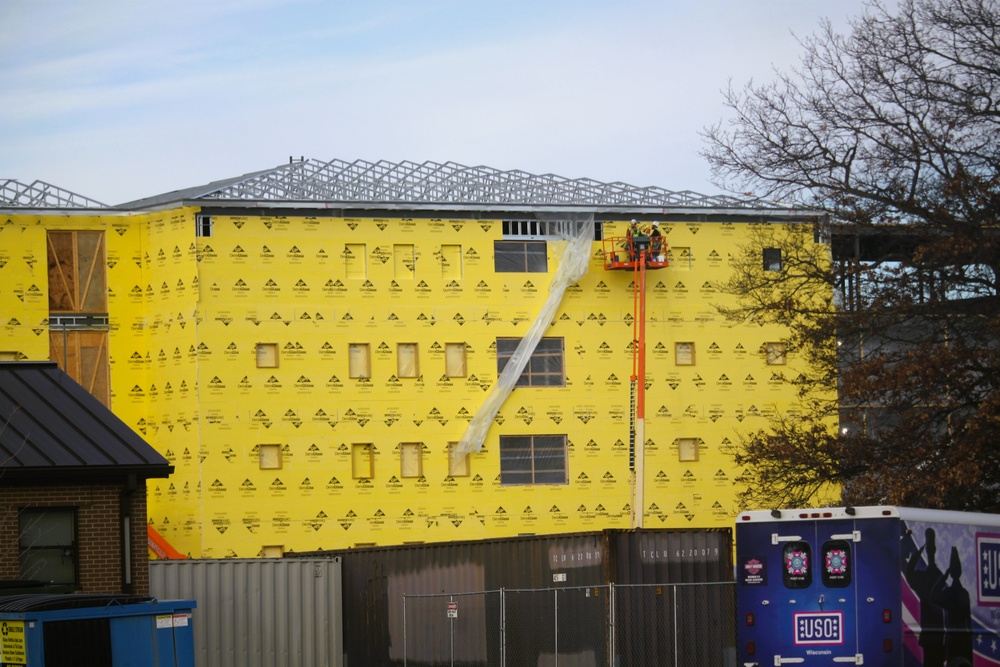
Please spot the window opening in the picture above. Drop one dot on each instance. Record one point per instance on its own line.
(47, 540)
(404, 261)
(532, 459)
(687, 449)
(267, 355)
(269, 457)
(410, 459)
(455, 360)
(451, 262)
(407, 360)
(459, 467)
(684, 354)
(520, 256)
(775, 354)
(203, 225)
(545, 368)
(359, 360)
(772, 259)
(362, 460)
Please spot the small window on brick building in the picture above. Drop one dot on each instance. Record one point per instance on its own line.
(47, 541)
(270, 457)
(267, 355)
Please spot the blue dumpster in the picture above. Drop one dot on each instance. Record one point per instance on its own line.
(95, 631)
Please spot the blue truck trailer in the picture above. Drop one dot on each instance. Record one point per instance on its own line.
(888, 586)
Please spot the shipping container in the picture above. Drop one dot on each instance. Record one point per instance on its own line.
(583, 564)
(259, 612)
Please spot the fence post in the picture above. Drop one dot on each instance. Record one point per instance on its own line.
(404, 630)
(676, 636)
(503, 627)
(611, 624)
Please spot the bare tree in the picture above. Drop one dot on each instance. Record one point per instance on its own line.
(893, 133)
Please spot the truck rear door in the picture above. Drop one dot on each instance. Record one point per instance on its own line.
(801, 603)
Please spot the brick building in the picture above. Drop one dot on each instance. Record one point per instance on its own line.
(72, 486)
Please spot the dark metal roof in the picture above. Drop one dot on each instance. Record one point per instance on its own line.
(51, 428)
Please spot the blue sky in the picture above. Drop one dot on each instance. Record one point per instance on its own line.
(122, 99)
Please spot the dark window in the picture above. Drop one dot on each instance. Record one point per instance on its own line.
(546, 366)
(836, 565)
(48, 547)
(772, 259)
(520, 257)
(532, 459)
(203, 225)
(796, 565)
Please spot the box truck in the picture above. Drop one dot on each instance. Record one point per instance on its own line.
(888, 586)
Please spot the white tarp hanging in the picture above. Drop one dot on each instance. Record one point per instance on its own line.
(575, 235)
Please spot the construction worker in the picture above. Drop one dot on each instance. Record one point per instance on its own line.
(656, 242)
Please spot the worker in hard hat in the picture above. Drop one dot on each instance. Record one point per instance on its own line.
(656, 242)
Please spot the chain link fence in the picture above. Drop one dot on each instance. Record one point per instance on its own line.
(668, 625)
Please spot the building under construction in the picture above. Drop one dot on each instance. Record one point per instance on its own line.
(340, 354)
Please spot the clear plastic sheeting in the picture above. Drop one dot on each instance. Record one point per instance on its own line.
(575, 234)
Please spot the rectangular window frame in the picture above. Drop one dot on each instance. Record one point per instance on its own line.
(456, 363)
(272, 551)
(267, 355)
(407, 360)
(536, 373)
(534, 460)
(457, 467)
(411, 460)
(452, 264)
(362, 460)
(404, 261)
(32, 552)
(203, 225)
(269, 456)
(684, 353)
(772, 259)
(520, 256)
(359, 361)
(356, 261)
(775, 353)
(688, 450)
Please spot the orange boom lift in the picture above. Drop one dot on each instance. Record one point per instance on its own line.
(637, 252)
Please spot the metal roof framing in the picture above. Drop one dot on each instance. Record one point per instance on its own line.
(450, 183)
(423, 185)
(39, 194)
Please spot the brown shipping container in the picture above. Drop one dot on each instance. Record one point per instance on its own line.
(376, 579)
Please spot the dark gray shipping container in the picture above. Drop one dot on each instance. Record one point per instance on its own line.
(376, 579)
